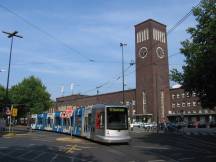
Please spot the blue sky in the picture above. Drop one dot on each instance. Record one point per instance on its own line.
(72, 32)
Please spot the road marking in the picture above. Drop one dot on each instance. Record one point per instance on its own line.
(158, 148)
(155, 160)
(24, 154)
(72, 149)
(116, 152)
(2, 147)
(22, 134)
(39, 155)
(187, 158)
(55, 157)
(202, 141)
(211, 156)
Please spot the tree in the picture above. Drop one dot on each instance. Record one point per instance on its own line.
(2, 97)
(30, 96)
(199, 71)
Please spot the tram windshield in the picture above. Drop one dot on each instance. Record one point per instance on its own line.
(117, 118)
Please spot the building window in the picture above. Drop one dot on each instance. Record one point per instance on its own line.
(194, 103)
(144, 102)
(162, 104)
(173, 96)
(183, 95)
(188, 94)
(188, 104)
(183, 104)
(133, 102)
(177, 96)
(194, 94)
(173, 105)
(178, 104)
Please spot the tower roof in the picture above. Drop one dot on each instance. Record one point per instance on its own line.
(149, 20)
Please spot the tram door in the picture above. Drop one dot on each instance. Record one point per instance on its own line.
(87, 123)
(100, 122)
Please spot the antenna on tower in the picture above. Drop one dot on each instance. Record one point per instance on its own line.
(72, 87)
(62, 90)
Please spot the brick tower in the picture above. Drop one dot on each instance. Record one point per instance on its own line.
(152, 81)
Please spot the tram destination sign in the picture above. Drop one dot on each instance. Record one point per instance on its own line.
(116, 109)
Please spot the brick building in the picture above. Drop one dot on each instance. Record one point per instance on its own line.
(152, 100)
(186, 107)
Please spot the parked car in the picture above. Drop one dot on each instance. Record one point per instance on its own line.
(137, 124)
(191, 125)
(212, 124)
(180, 125)
(201, 124)
(171, 126)
(149, 125)
(2, 125)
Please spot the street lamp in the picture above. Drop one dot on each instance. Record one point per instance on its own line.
(122, 46)
(10, 35)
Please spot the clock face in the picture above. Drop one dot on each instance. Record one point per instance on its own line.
(143, 52)
(160, 52)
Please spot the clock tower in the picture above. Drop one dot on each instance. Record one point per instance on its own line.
(152, 81)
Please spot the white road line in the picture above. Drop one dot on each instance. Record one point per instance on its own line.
(24, 154)
(158, 148)
(54, 157)
(3, 147)
(39, 155)
(187, 158)
(211, 156)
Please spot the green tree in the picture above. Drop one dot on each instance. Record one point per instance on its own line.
(2, 97)
(199, 71)
(30, 96)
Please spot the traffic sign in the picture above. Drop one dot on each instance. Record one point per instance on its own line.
(8, 112)
(14, 112)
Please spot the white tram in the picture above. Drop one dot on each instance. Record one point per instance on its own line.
(102, 123)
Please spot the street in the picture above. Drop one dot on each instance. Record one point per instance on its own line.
(40, 146)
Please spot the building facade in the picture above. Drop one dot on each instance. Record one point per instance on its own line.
(186, 107)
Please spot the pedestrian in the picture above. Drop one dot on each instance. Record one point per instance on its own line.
(131, 126)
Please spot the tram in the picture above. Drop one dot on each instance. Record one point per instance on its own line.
(102, 123)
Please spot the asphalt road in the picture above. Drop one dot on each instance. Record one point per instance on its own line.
(51, 147)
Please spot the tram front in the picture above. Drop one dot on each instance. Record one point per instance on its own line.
(117, 124)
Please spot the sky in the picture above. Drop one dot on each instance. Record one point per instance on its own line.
(73, 45)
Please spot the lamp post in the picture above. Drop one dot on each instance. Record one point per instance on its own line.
(122, 46)
(10, 35)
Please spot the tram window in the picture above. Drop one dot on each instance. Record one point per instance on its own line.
(57, 121)
(33, 120)
(48, 121)
(66, 122)
(100, 120)
(40, 120)
(117, 118)
(89, 119)
(78, 121)
(72, 120)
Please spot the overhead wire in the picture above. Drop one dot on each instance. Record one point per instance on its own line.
(47, 33)
(92, 60)
(168, 33)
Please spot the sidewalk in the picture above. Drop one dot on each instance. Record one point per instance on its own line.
(187, 131)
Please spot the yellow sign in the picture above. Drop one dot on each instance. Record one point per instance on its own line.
(14, 112)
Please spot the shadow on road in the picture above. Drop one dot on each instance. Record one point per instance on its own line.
(178, 147)
(41, 153)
